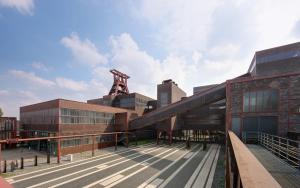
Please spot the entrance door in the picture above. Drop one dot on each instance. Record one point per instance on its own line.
(266, 124)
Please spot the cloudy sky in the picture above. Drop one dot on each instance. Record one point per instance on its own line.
(65, 48)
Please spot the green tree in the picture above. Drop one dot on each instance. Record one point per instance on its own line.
(1, 112)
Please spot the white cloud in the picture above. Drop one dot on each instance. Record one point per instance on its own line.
(40, 66)
(4, 92)
(32, 78)
(185, 26)
(71, 84)
(84, 50)
(181, 26)
(23, 6)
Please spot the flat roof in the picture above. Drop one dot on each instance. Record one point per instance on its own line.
(65, 103)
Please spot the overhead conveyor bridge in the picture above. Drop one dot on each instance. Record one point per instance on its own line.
(206, 97)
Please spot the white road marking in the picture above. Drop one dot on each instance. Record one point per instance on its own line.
(202, 177)
(212, 171)
(79, 163)
(73, 179)
(178, 170)
(188, 155)
(132, 174)
(103, 179)
(111, 180)
(155, 183)
(61, 165)
(10, 180)
(196, 172)
(160, 172)
(101, 168)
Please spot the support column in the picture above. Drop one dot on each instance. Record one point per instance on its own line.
(116, 141)
(58, 150)
(170, 137)
(157, 137)
(93, 146)
(127, 140)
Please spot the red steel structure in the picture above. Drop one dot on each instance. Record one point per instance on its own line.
(119, 86)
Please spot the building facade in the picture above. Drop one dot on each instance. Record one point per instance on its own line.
(267, 99)
(64, 117)
(8, 130)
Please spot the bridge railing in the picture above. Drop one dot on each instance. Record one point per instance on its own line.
(4, 184)
(242, 167)
(284, 148)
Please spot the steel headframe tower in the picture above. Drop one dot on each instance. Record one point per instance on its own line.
(119, 86)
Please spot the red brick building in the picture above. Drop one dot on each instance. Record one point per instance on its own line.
(8, 129)
(64, 117)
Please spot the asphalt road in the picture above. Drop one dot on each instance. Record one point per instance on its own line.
(147, 166)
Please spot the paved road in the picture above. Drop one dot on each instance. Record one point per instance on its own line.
(146, 166)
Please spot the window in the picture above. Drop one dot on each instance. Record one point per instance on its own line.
(74, 116)
(164, 99)
(260, 101)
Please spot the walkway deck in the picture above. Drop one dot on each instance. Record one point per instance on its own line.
(146, 166)
(284, 174)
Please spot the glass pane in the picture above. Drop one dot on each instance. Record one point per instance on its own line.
(252, 101)
(246, 102)
(236, 125)
(266, 100)
(259, 101)
(274, 100)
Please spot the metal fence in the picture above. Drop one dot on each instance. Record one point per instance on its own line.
(286, 149)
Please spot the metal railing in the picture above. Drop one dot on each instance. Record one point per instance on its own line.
(242, 167)
(59, 139)
(286, 149)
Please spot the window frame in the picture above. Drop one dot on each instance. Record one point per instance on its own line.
(267, 109)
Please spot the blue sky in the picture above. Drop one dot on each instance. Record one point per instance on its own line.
(65, 48)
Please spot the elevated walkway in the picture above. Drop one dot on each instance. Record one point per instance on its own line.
(283, 173)
(200, 99)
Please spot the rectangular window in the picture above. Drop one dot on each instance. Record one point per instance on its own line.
(260, 101)
(74, 116)
(252, 101)
(164, 101)
(246, 102)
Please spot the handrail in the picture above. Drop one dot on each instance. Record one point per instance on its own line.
(242, 167)
(60, 137)
(284, 148)
(4, 184)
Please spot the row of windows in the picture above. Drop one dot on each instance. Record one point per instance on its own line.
(127, 102)
(39, 117)
(86, 120)
(133, 102)
(84, 113)
(260, 101)
(73, 116)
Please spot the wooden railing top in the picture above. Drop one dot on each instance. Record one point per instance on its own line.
(4, 184)
(252, 172)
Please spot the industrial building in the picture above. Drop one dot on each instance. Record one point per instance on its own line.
(8, 130)
(266, 99)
